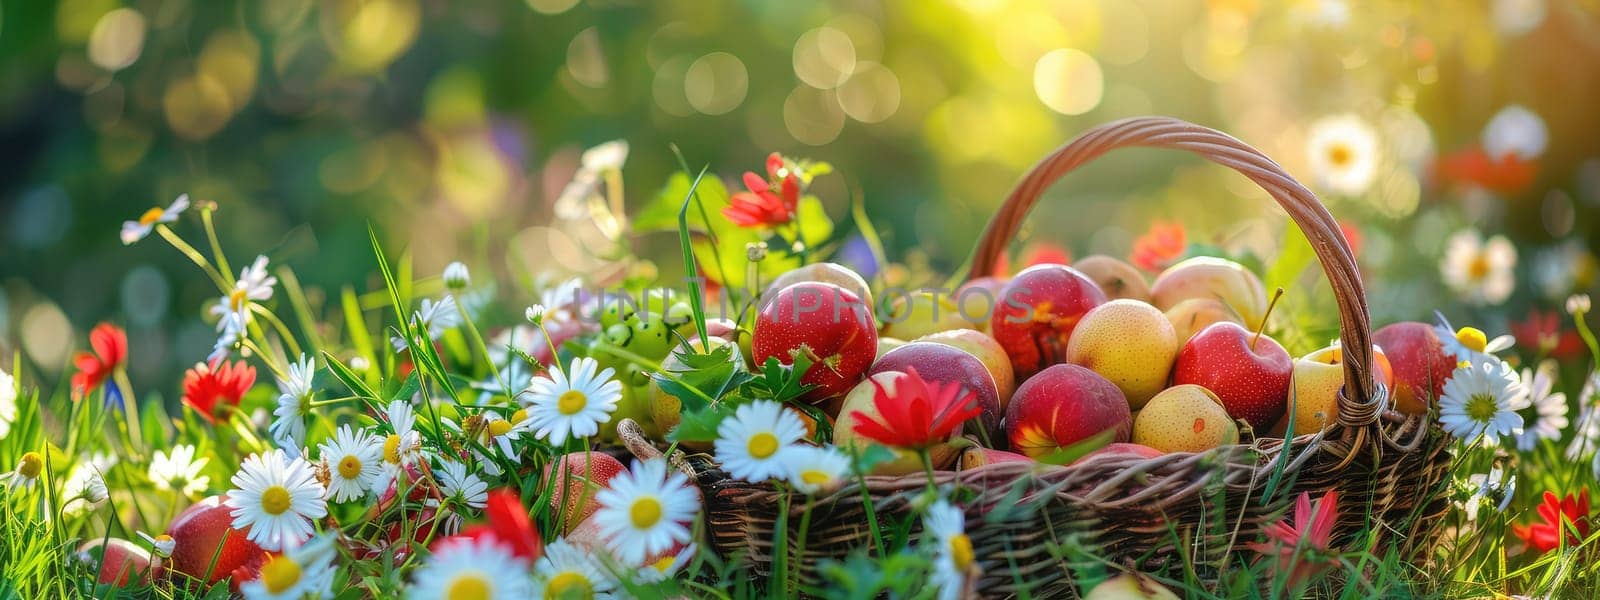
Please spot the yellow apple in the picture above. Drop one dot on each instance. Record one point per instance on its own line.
(1185, 418)
(1214, 278)
(1116, 278)
(1129, 343)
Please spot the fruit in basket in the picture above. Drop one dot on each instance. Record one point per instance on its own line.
(1062, 406)
(942, 362)
(1130, 586)
(827, 323)
(1190, 316)
(206, 529)
(978, 456)
(1129, 343)
(1036, 312)
(1116, 278)
(825, 272)
(578, 478)
(120, 561)
(1318, 377)
(885, 344)
(1124, 449)
(1421, 366)
(1249, 371)
(1184, 418)
(860, 405)
(1215, 278)
(922, 312)
(665, 409)
(994, 358)
(979, 296)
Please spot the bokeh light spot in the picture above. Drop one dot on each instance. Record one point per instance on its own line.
(871, 95)
(585, 60)
(824, 57)
(117, 39)
(716, 83)
(812, 116)
(1068, 81)
(552, 7)
(46, 334)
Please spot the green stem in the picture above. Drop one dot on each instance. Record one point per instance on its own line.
(472, 330)
(279, 326)
(130, 408)
(223, 284)
(927, 467)
(216, 248)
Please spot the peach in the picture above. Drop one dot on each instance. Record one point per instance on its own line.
(978, 297)
(578, 478)
(1421, 366)
(1184, 418)
(859, 404)
(978, 456)
(1128, 342)
(994, 358)
(941, 362)
(1116, 278)
(1130, 586)
(923, 312)
(1062, 406)
(1314, 387)
(1189, 316)
(1037, 312)
(828, 323)
(1216, 278)
(825, 272)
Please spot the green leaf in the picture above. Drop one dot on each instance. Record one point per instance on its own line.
(813, 222)
(701, 425)
(407, 389)
(352, 381)
(872, 456)
(712, 374)
(780, 382)
(662, 212)
(1079, 450)
(153, 420)
(1292, 260)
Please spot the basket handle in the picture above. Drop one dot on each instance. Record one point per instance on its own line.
(1357, 405)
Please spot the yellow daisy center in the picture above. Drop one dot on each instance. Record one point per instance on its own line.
(163, 538)
(646, 512)
(280, 574)
(391, 448)
(237, 298)
(569, 585)
(662, 564)
(571, 402)
(961, 551)
(1473, 338)
(275, 500)
(350, 467)
(151, 216)
(31, 465)
(1479, 267)
(519, 416)
(469, 586)
(815, 477)
(1481, 407)
(499, 428)
(762, 445)
(1340, 155)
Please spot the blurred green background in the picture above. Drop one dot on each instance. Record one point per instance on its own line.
(451, 128)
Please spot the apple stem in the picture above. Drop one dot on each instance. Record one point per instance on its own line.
(1263, 325)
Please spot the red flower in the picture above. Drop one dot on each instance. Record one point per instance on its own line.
(204, 386)
(763, 206)
(508, 524)
(917, 413)
(1037, 253)
(110, 345)
(1542, 333)
(1302, 549)
(1352, 236)
(1569, 514)
(1158, 248)
(1506, 174)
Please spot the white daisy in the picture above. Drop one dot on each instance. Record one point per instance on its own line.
(1482, 399)
(254, 285)
(666, 567)
(84, 490)
(1550, 408)
(456, 484)
(755, 442)
(294, 403)
(456, 276)
(567, 571)
(434, 318)
(1497, 487)
(302, 572)
(954, 559)
(1515, 130)
(1586, 431)
(276, 498)
(133, 231)
(472, 568)
(8, 402)
(1468, 343)
(404, 443)
(646, 511)
(563, 302)
(179, 471)
(1344, 154)
(1479, 272)
(535, 314)
(354, 461)
(162, 545)
(575, 198)
(1577, 305)
(28, 470)
(813, 470)
(572, 402)
(230, 330)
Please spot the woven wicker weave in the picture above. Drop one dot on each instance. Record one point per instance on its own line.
(1027, 521)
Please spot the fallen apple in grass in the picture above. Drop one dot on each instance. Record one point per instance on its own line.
(120, 561)
(1037, 312)
(1130, 586)
(204, 530)
(827, 323)
(578, 478)
(1062, 406)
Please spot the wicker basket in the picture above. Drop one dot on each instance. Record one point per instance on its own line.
(1125, 510)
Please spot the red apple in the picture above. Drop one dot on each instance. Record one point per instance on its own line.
(1249, 374)
(121, 561)
(828, 323)
(1036, 313)
(941, 362)
(1064, 405)
(1421, 366)
(579, 477)
(206, 529)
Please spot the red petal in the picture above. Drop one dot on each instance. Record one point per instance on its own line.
(774, 164)
(111, 343)
(755, 182)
